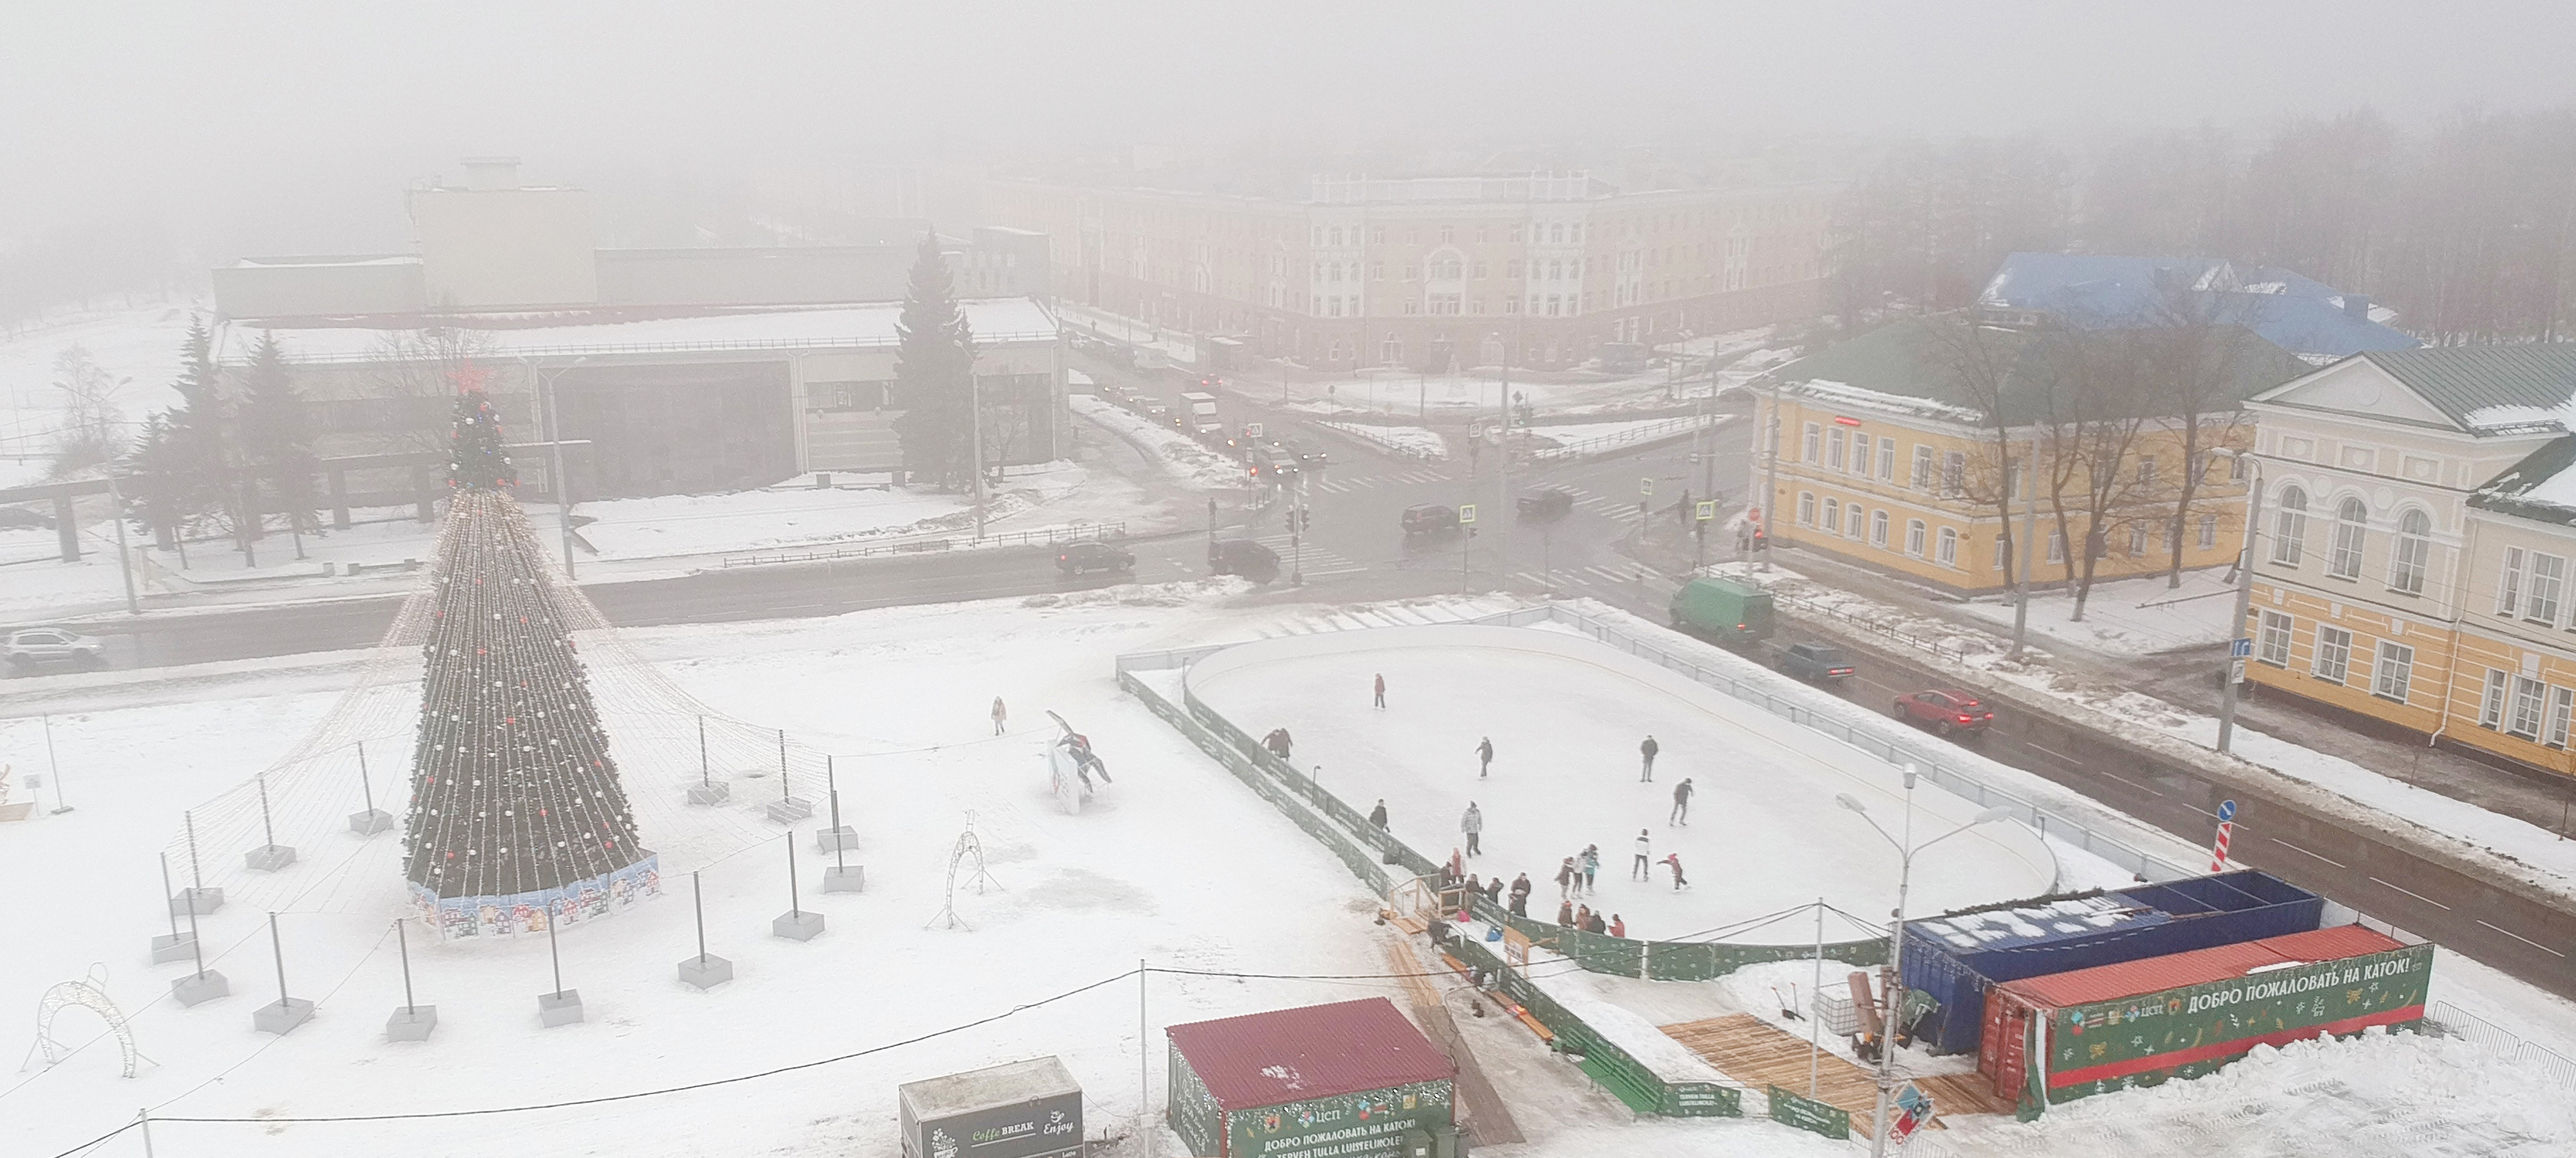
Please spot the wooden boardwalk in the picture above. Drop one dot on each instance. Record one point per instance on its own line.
(1486, 1118)
(1759, 1054)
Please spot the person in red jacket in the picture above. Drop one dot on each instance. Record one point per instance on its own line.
(1618, 925)
(1381, 689)
(1673, 861)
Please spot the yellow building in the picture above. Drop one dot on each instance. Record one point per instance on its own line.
(2418, 542)
(1882, 452)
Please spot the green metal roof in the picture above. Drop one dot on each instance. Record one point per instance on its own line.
(1922, 358)
(2461, 380)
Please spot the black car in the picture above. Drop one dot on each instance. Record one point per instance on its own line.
(1429, 519)
(1243, 557)
(27, 517)
(1076, 558)
(1547, 504)
(1816, 661)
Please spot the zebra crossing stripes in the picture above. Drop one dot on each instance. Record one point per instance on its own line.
(1346, 485)
(1318, 560)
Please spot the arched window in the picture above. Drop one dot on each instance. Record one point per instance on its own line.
(2414, 546)
(2290, 528)
(1878, 528)
(1834, 515)
(2352, 526)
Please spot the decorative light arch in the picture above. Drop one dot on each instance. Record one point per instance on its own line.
(89, 993)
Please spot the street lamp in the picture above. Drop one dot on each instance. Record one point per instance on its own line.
(2244, 592)
(1896, 942)
(554, 449)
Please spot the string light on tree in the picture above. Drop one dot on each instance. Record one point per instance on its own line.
(517, 817)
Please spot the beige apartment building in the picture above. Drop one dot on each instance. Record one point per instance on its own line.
(2418, 541)
(1536, 270)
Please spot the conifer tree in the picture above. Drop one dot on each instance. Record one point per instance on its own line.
(277, 438)
(934, 374)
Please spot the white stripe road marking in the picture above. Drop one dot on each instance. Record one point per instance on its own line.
(2421, 897)
(2062, 757)
(2519, 937)
(2297, 849)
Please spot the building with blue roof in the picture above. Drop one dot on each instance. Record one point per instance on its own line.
(2299, 314)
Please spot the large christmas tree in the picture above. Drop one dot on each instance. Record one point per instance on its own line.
(516, 814)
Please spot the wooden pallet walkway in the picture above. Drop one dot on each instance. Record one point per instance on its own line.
(1759, 1054)
(1488, 1120)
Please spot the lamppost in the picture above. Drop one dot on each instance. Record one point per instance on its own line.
(554, 449)
(1895, 988)
(2244, 591)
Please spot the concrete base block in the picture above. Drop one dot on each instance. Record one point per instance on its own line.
(411, 1023)
(370, 822)
(790, 810)
(705, 972)
(169, 947)
(559, 1008)
(206, 901)
(269, 858)
(798, 926)
(281, 1016)
(200, 987)
(845, 878)
(836, 839)
(710, 793)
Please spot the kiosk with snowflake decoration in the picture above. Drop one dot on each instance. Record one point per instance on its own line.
(517, 819)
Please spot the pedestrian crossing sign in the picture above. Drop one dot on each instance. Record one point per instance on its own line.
(1467, 513)
(1645, 486)
(1707, 510)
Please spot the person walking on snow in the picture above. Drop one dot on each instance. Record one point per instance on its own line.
(1648, 750)
(1001, 716)
(1681, 802)
(1644, 867)
(1381, 689)
(1484, 757)
(1520, 895)
(1565, 878)
(1591, 866)
(1377, 815)
(1673, 861)
(1473, 824)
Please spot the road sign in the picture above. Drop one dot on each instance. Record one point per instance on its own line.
(2226, 829)
(1645, 486)
(2241, 648)
(1467, 514)
(2226, 810)
(1707, 511)
(1252, 430)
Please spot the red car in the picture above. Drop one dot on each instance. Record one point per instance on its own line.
(1945, 712)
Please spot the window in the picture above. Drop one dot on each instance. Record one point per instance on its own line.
(2414, 545)
(2208, 532)
(2352, 526)
(2509, 583)
(1922, 467)
(2147, 471)
(2560, 701)
(2548, 578)
(1949, 550)
(2491, 708)
(2236, 469)
(2334, 653)
(2523, 719)
(2138, 539)
(2393, 671)
(2290, 528)
(1806, 509)
(1878, 528)
(1812, 436)
(2275, 642)
(1887, 459)
(1834, 448)
(2003, 551)
(1954, 473)
(1834, 515)
(2057, 546)
(1851, 520)
(1914, 537)
(1448, 233)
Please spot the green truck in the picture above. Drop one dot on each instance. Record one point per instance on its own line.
(1723, 610)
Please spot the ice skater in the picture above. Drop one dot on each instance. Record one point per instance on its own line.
(1278, 743)
(1381, 689)
(1591, 866)
(1565, 914)
(1520, 895)
(1377, 815)
(1001, 717)
(1648, 750)
(1473, 824)
(1565, 880)
(1681, 802)
(1673, 861)
(1644, 867)
(1484, 757)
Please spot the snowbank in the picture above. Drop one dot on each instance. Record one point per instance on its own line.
(1568, 985)
(1409, 441)
(1175, 453)
(2140, 616)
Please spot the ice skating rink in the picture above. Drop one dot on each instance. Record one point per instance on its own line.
(1566, 715)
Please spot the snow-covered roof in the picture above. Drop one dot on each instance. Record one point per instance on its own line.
(1850, 397)
(994, 320)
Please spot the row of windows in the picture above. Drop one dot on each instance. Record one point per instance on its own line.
(1852, 522)
(1545, 233)
(2349, 542)
(1447, 269)
(2392, 664)
(1849, 451)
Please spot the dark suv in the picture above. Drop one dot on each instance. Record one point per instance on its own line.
(1077, 558)
(1243, 557)
(1816, 661)
(1547, 504)
(1429, 519)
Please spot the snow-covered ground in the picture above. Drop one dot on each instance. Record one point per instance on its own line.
(1599, 436)
(2140, 616)
(791, 515)
(1410, 441)
(1174, 452)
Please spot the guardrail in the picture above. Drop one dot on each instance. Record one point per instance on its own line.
(935, 544)
(1647, 433)
(2452, 1021)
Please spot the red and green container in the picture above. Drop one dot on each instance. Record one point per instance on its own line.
(2066, 1035)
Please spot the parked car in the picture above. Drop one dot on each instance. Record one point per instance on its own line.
(1429, 519)
(1243, 557)
(1160, 415)
(1946, 712)
(28, 647)
(1308, 455)
(1553, 503)
(15, 518)
(1093, 555)
(1815, 661)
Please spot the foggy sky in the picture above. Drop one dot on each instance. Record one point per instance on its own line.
(289, 107)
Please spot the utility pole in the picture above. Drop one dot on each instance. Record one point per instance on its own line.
(554, 449)
(1771, 487)
(2244, 596)
(116, 511)
(1502, 475)
(2029, 527)
(975, 435)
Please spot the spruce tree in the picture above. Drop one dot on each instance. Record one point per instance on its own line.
(934, 371)
(516, 816)
(277, 437)
(201, 430)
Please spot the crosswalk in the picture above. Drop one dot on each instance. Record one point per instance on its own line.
(1339, 486)
(1318, 560)
(1586, 576)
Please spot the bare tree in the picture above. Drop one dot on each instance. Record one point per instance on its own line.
(2200, 353)
(1979, 358)
(2097, 413)
(93, 432)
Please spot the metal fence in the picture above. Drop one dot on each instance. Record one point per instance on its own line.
(936, 544)
(1892, 630)
(1607, 442)
(2452, 1021)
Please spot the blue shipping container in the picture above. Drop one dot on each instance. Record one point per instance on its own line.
(1955, 958)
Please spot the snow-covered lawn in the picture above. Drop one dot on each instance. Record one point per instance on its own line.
(2140, 616)
(1409, 441)
(792, 515)
(137, 348)
(1608, 435)
(1174, 452)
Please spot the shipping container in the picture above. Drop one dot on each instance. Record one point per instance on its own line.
(1353, 1079)
(1954, 959)
(2068, 1035)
